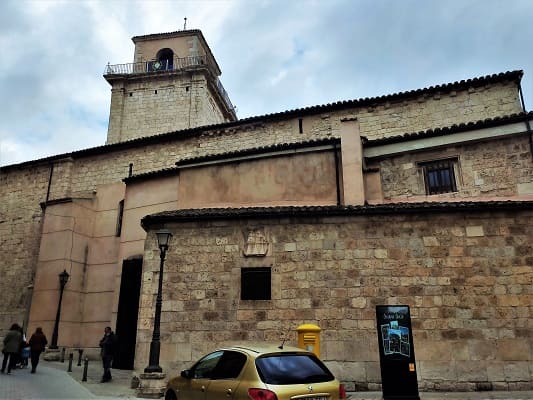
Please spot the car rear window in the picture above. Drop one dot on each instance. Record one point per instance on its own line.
(288, 369)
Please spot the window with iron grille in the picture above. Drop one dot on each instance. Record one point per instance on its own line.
(255, 283)
(439, 176)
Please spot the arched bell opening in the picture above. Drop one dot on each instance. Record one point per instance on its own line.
(165, 57)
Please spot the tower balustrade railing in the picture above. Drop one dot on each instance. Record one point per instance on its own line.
(176, 64)
(155, 65)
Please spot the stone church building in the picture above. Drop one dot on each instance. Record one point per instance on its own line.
(313, 215)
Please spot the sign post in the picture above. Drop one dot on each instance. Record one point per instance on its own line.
(396, 353)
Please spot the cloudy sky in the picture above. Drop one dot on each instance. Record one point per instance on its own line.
(274, 55)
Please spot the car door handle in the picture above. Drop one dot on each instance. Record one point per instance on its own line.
(228, 392)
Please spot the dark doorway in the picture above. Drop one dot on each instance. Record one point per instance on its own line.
(128, 308)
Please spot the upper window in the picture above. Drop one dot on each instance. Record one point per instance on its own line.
(439, 176)
(255, 283)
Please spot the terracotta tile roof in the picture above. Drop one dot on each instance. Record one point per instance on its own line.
(232, 154)
(486, 123)
(515, 76)
(152, 174)
(164, 35)
(259, 150)
(190, 215)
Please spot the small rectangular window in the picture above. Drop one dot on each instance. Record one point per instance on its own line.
(256, 283)
(439, 176)
(119, 217)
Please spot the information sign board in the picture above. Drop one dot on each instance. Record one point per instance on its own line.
(396, 353)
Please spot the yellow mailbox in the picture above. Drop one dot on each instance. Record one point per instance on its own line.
(309, 338)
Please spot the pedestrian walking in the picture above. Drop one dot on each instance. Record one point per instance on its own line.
(37, 344)
(12, 342)
(24, 352)
(108, 347)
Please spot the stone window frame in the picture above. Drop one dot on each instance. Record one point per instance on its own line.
(256, 283)
(449, 161)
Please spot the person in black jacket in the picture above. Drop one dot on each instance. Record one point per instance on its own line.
(37, 343)
(108, 346)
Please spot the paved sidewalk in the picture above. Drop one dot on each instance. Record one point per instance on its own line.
(47, 383)
(119, 387)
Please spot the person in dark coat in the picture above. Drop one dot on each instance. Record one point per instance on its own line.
(37, 344)
(12, 342)
(108, 347)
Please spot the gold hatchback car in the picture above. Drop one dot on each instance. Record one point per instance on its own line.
(256, 372)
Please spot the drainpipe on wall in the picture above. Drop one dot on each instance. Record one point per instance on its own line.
(49, 184)
(528, 126)
(337, 174)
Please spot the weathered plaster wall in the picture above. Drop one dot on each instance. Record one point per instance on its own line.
(101, 274)
(301, 179)
(79, 236)
(144, 198)
(466, 276)
(65, 242)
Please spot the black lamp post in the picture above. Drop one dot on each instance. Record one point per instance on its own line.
(63, 279)
(163, 238)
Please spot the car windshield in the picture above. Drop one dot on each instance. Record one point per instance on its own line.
(288, 369)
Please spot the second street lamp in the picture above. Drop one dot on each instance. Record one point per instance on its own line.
(163, 238)
(63, 279)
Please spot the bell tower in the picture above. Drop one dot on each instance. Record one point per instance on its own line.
(172, 84)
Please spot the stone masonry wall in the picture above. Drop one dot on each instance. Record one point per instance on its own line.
(466, 276)
(495, 168)
(154, 106)
(21, 191)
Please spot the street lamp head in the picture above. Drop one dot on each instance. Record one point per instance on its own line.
(163, 238)
(63, 278)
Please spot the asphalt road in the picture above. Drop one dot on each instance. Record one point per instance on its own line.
(52, 381)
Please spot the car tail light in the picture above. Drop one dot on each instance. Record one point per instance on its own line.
(342, 391)
(261, 394)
